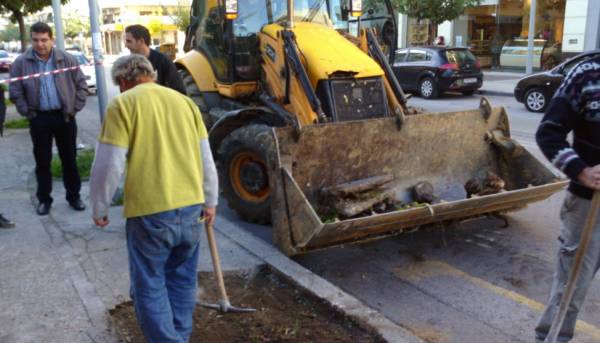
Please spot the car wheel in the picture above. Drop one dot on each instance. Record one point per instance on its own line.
(536, 100)
(468, 93)
(428, 88)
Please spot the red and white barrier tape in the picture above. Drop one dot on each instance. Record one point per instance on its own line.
(52, 72)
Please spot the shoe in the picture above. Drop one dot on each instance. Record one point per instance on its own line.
(5, 223)
(77, 205)
(43, 208)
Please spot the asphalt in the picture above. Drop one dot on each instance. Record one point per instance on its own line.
(60, 274)
(499, 83)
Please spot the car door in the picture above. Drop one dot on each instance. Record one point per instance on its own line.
(416, 63)
(399, 66)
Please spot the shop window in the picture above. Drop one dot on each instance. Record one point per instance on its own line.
(494, 30)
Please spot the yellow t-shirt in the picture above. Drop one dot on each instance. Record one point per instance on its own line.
(162, 130)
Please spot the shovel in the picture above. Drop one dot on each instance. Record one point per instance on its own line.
(586, 236)
(223, 305)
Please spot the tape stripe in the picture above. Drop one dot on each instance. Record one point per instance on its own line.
(52, 72)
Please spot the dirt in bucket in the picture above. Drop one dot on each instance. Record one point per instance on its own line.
(284, 314)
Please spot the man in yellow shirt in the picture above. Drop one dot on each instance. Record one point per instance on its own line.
(159, 135)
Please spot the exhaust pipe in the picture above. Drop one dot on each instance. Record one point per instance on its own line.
(290, 21)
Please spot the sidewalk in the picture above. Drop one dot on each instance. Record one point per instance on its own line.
(499, 83)
(59, 274)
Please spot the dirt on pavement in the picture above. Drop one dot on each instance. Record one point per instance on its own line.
(284, 314)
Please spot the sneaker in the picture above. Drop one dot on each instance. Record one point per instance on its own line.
(5, 223)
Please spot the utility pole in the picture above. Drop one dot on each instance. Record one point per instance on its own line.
(98, 59)
(58, 27)
(530, 36)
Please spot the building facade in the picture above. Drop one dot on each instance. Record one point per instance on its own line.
(157, 18)
(497, 31)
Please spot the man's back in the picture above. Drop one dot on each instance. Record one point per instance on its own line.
(162, 130)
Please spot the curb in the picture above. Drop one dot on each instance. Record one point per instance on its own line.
(495, 93)
(316, 285)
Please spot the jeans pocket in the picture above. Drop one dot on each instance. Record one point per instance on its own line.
(153, 235)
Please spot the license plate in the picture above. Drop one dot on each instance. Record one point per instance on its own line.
(470, 80)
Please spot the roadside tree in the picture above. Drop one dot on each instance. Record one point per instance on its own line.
(437, 11)
(19, 9)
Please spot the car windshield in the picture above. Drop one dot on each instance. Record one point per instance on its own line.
(460, 56)
(3, 54)
(253, 14)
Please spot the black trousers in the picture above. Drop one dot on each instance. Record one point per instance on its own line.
(43, 128)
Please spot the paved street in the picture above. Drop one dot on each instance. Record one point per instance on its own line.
(474, 282)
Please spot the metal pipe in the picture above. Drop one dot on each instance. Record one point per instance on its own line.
(290, 21)
(530, 37)
(58, 26)
(98, 59)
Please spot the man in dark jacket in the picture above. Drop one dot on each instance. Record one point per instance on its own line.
(575, 107)
(137, 40)
(50, 102)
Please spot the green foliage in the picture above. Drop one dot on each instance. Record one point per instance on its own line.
(84, 164)
(74, 23)
(437, 11)
(18, 9)
(181, 14)
(22, 123)
(11, 33)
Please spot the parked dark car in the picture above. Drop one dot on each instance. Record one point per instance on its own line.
(6, 61)
(536, 90)
(430, 71)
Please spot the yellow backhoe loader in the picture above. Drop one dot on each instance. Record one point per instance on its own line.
(309, 127)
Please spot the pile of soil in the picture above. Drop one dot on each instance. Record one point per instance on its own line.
(284, 314)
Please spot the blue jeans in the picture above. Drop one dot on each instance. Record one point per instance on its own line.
(573, 215)
(163, 255)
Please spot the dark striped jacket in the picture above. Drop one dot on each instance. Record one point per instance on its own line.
(575, 107)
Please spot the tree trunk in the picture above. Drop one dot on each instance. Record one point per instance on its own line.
(433, 30)
(19, 17)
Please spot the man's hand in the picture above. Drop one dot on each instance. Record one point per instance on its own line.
(590, 177)
(210, 213)
(102, 222)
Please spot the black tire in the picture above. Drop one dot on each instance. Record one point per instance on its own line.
(428, 88)
(192, 90)
(468, 93)
(535, 100)
(242, 160)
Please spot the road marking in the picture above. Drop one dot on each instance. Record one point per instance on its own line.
(417, 271)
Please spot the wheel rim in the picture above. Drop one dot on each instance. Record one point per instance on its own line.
(248, 175)
(536, 100)
(426, 88)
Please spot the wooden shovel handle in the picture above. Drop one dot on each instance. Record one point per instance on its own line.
(214, 253)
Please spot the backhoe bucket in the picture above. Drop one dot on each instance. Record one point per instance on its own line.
(445, 149)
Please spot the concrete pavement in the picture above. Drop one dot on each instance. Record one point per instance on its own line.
(59, 274)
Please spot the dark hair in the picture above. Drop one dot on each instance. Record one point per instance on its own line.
(40, 27)
(139, 32)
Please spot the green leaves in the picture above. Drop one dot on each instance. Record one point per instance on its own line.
(437, 11)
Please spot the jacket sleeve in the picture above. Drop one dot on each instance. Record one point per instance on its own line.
(17, 90)
(558, 121)
(81, 90)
